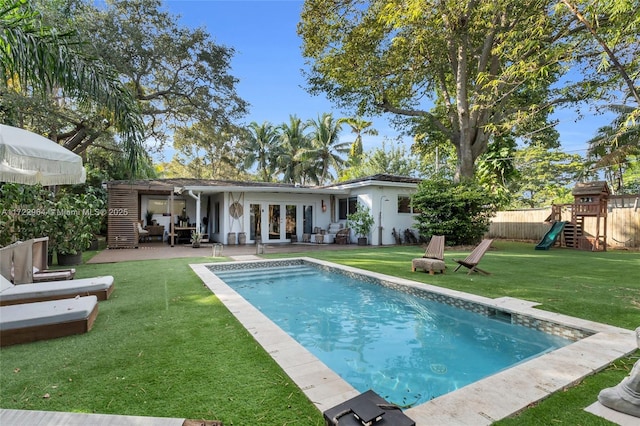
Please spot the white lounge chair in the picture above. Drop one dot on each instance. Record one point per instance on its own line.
(11, 294)
(29, 322)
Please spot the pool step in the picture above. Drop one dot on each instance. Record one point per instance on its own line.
(266, 273)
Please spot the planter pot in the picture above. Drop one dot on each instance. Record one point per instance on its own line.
(231, 238)
(242, 238)
(195, 245)
(69, 259)
(94, 245)
(362, 241)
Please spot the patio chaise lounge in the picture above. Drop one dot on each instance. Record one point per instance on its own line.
(433, 258)
(40, 262)
(29, 322)
(471, 261)
(26, 262)
(11, 294)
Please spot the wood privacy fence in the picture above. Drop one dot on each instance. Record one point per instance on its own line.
(623, 225)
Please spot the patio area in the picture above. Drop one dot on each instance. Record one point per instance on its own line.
(159, 250)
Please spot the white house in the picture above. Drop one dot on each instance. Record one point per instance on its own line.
(248, 212)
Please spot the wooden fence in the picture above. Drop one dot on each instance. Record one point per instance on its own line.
(623, 225)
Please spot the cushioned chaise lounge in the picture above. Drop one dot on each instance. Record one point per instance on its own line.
(11, 294)
(29, 322)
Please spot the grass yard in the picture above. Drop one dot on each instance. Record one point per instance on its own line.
(164, 346)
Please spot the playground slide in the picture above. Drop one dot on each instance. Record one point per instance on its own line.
(551, 236)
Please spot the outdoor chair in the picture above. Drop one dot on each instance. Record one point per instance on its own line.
(11, 294)
(471, 262)
(40, 264)
(342, 236)
(432, 260)
(140, 233)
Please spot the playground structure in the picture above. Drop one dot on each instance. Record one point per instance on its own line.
(568, 220)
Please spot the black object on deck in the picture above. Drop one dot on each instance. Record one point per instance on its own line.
(366, 409)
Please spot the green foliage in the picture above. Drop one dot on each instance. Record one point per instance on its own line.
(393, 159)
(460, 211)
(70, 219)
(361, 221)
(25, 212)
(43, 62)
(545, 177)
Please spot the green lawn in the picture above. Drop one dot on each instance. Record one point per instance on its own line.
(164, 346)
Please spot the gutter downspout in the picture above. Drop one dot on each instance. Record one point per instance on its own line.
(197, 198)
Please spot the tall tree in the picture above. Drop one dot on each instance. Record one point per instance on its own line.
(293, 163)
(614, 145)
(484, 67)
(179, 76)
(391, 158)
(207, 152)
(326, 148)
(545, 176)
(360, 127)
(261, 147)
(54, 64)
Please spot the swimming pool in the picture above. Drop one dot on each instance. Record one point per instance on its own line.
(480, 403)
(407, 348)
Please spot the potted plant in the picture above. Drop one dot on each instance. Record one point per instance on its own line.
(196, 239)
(361, 222)
(149, 217)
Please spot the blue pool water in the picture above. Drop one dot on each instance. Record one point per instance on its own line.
(406, 348)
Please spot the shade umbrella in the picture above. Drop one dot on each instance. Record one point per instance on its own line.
(29, 158)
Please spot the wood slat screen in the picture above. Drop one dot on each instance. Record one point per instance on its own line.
(122, 212)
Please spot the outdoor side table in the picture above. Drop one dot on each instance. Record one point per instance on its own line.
(363, 404)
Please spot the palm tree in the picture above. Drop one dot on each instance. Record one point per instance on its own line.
(261, 147)
(614, 143)
(294, 163)
(44, 60)
(360, 127)
(326, 147)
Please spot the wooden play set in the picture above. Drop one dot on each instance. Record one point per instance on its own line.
(590, 204)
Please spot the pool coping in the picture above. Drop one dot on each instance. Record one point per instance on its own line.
(481, 403)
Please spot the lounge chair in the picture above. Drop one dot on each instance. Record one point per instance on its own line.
(432, 260)
(29, 322)
(11, 294)
(471, 262)
(40, 262)
(26, 262)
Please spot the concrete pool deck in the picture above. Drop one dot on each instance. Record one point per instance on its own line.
(480, 403)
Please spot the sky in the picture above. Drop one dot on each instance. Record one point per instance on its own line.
(268, 64)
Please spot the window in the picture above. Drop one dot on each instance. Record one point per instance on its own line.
(161, 206)
(347, 206)
(404, 204)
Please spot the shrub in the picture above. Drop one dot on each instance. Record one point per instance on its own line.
(460, 211)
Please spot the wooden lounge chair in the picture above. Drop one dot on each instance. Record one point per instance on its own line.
(40, 261)
(11, 294)
(29, 322)
(433, 258)
(435, 248)
(471, 261)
